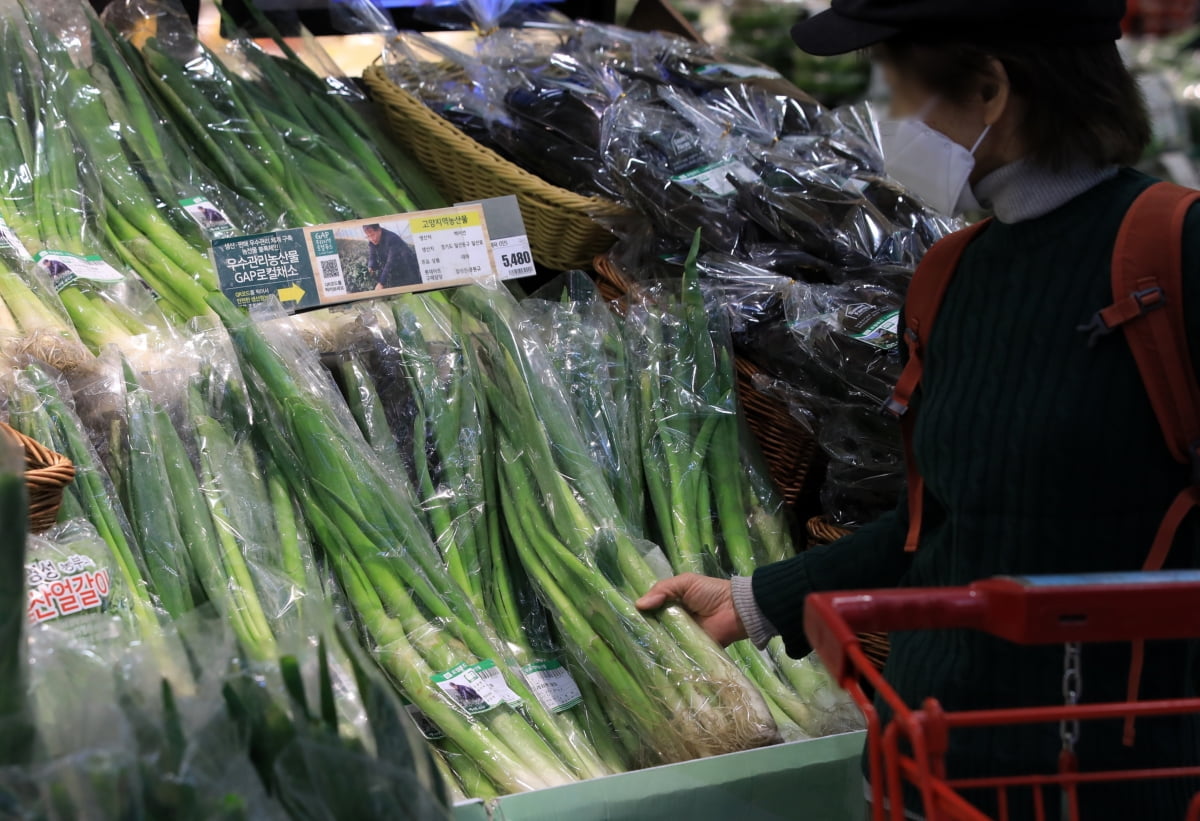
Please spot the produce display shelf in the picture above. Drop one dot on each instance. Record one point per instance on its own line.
(817, 780)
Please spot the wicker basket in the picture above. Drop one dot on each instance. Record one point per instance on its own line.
(566, 230)
(822, 531)
(47, 474)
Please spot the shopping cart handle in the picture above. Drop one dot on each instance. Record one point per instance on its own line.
(1033, 610)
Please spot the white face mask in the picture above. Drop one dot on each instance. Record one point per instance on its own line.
(929, 164)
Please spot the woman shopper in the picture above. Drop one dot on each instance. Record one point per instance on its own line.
(1040, 454)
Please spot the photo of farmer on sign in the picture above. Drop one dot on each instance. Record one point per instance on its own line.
(391, 261)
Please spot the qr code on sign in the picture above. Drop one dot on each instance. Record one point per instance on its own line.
(331, 276)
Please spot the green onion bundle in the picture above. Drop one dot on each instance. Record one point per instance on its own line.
(668, 684)
(422, 627)
(715, 510)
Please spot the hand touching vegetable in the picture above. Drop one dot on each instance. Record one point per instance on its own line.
(709, 600)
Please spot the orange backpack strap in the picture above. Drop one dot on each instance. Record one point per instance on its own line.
(925, 295)
(1147, 273)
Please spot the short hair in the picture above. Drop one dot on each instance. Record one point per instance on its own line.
(1082, 104)
(373, 227)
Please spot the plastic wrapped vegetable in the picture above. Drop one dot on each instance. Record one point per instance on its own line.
(423, 629)
(53, 203)
(117, 737)
(589, 347)
(40, 406)
(665, 682)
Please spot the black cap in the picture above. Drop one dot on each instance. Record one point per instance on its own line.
(851, 25)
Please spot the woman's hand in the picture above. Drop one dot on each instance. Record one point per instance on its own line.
(710, 601)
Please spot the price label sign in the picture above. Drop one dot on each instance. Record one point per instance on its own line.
(510, 244)
(343, 262)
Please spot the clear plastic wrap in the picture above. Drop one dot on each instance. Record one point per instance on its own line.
(71, 579)
(686, 135)
(716, 510)
(829, 350)
(41, 406)
(422, 628)
(850, 332)
(55, 192)
(273, 130)
(666, 684)
(589, 346)
(117, 738)
(677, 172)
(541, 95)
(452, 454)
(118, 718)
(745, 177)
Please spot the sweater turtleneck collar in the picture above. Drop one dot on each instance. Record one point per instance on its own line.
(1022, 191)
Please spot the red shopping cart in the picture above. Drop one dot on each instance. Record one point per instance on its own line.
(1046, 610)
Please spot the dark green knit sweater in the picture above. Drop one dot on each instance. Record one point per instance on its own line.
(1040, 456)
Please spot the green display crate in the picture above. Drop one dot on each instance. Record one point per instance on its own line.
(818, 780)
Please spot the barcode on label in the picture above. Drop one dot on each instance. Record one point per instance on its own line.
(331, 276)
(552, 685)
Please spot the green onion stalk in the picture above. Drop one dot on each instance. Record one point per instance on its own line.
(48, 204)
(323, 106)
(144, 452)
(354, 376)
(588, 346)
(456, 477)
(260, 563)
(172, 169)
(355, 371)
(302, 176)
(372, 533)
(130, 215)
(715, 511)
(303, 754)
(31, 304)
(668, 683)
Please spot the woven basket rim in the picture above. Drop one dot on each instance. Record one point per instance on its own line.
(38, 457)
(528, 183)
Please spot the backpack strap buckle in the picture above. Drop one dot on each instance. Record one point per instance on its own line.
(1137, 304)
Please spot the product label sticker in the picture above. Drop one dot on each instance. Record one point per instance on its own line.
(57, 589)
(514, 257)
(876, 326)
(210, 218)
(452, 247)
(476, 688)
(361, 259)
(715, 178)
(552, 685)
(510, 243)
(9, 239)
(65, 268)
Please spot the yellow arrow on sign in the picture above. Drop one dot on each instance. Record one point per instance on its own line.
(292, 293)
